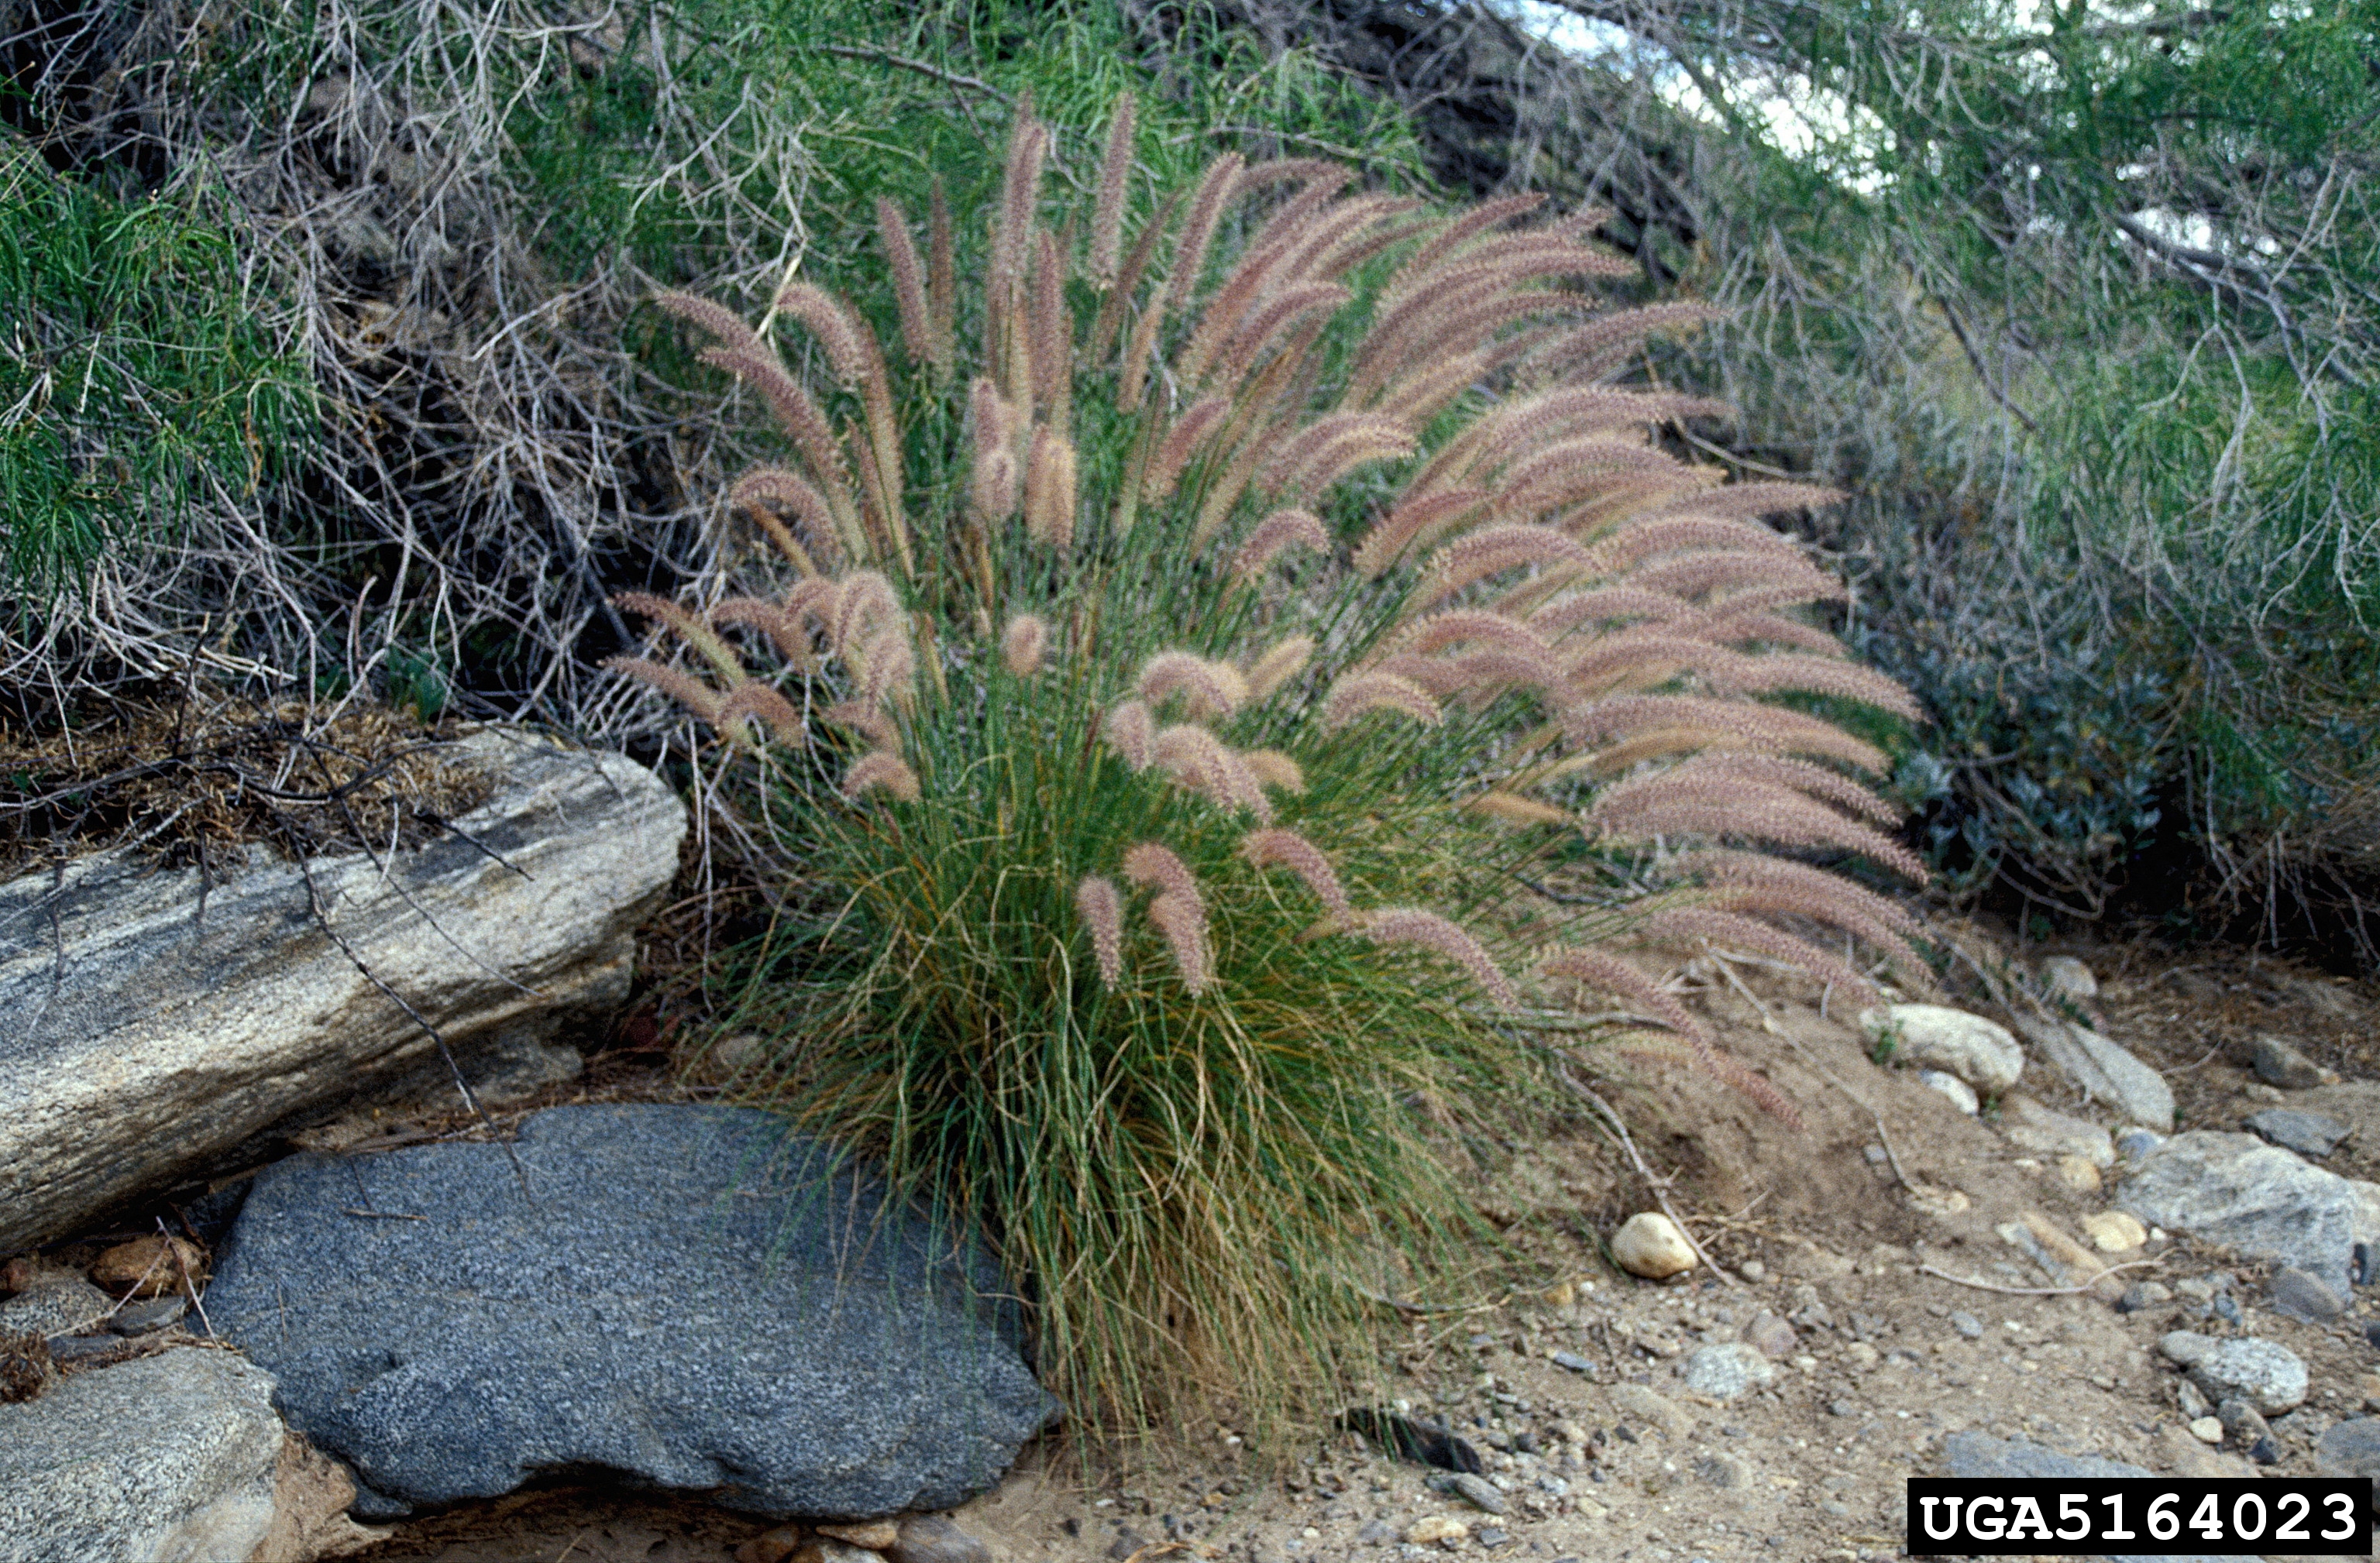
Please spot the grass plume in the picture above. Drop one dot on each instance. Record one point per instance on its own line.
(1153, 871)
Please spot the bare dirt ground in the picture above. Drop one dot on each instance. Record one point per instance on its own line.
(1816, 1227)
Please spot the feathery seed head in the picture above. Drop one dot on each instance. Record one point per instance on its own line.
(1028, 144)
(1151, 864)
(1514, 809)
(1132, 733)
(892, 665)
(1640, 540)
(1771, 728)
(1272, 534)
(1275, 770)
(1667, 804)
(1418, 398)
(1216, 188)
(1748, 500)
(942, 278)
(1467, 626)
(1282, 661)
(1625, 980)
(754, 699)
(1208, 689)
(1465, 226)
(1641, 658)
(1102, 912)
(812, 601)
(1581, 472)
(1586, 352)
(1132, 378)
(1052, 337)
(675, 683)
(1271, 325)
(881, 768)
(1692, 575)
(870, 721)
(1190, 431)
(993, 485)
(1437, 676)
(1758, 870)
(694, 631)
(717, 319)
(864, 599)
(1822, 675)
(1205, 764)
(1413, 522)
(823, 313)
(1183, 924)
(1257, 276)
(1754, 882)
(782, 628)
(1115, 168)
(1426, 930)
(1776, 771)
(1358, 693)
(1334, 445)
(1702, 925)
(1301, 857)
(795, 411)
(1022, 643)
(908, 280)
(1753, 626)
(1535, 423)
(1605, 605)
(1483, 675)
(995, 420)
(1050, 490)
(765, 489)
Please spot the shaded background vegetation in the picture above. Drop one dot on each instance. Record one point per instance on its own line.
(325, 365)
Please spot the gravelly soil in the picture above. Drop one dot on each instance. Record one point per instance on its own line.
(1887, 1358)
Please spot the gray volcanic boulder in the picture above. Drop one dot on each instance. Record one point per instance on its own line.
(2258, 1199)
(688, 1297)
(163, 1025)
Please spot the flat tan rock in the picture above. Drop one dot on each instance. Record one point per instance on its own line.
(877, 1536)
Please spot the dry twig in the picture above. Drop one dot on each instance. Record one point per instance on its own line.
(2037, 1291)
(1659, 1185)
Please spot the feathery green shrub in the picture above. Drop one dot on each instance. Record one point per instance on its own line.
(133, 376)
(1174, 771)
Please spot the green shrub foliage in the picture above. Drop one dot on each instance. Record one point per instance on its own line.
(134, 380)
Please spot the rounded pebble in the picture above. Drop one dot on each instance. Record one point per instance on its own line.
(1649, 1244)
